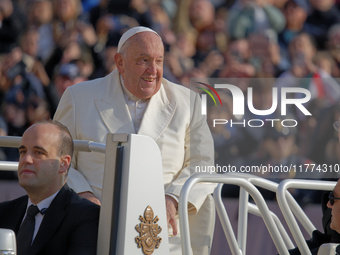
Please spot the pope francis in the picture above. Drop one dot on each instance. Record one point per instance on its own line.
(135, 98)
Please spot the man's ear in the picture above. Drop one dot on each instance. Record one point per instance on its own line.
(119, 62)
(64, 164)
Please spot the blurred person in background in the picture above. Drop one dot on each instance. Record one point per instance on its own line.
(262, 99)
(302, 51)
(324, 61)
(295, 12)
(21, 81)
(87, 5)
(314, 126)
(4, 83)
(179, 57)
(280, 147)
(323, 15)
(85, 64)
(39, 17)
(105, 62)
(238, 60)
(29, 44)
(201, 14)
(136, 9)
(67, 75)
(106, 23)
(333, 46)
(208, 57)
(3, 128)
(66, 18)
(265, 52)
(232, 143)
(197, 49)
(72, 34)
(98, 11)
(11, 25)
(20, 85)
(323, 147)
(15, 119)
(161, 23)
(191, 74)
(72, 50)
(28, 95)
(332, 153)
(279, 3)
(37, 110)
(254, 16)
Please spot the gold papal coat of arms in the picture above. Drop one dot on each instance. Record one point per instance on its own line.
(148, 232)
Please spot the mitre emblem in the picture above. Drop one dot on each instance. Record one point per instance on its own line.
(148, 232)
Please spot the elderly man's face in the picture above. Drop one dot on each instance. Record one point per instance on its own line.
(142, 64)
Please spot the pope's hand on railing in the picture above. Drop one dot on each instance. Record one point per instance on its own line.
(171, 209)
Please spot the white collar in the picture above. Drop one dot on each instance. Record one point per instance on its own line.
(44, 204)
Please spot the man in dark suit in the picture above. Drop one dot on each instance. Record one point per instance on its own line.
(330, 235)
(330, 217)
(64, 222)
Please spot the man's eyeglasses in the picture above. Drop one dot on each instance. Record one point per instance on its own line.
(336, 125)
(331, 198)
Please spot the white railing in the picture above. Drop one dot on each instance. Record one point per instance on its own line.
(245, 207)
(227, 228)
(227, 179)
(272, 186)
(248, 184)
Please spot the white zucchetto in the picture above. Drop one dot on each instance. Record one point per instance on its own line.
(131, 32)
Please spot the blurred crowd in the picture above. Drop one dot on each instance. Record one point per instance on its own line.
(48, 45)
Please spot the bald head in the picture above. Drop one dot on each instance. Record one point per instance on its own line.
(64, 143)
(44, 160)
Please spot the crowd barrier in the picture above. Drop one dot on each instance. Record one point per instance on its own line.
(293, 214)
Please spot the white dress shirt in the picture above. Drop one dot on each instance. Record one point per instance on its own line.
(137, 106)
(42, 206)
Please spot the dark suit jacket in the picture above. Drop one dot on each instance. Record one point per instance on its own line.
(318, 238)
(69, 226)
